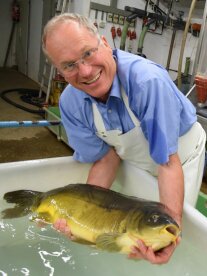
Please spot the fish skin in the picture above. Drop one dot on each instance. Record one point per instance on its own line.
(105, 218)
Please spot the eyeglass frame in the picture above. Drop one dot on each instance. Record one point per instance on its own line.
(74, 70)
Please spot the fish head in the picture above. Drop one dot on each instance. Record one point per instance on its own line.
(156, 228)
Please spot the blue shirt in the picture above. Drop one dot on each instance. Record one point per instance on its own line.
(163, 111)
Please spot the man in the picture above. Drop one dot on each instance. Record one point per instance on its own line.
(121, 106)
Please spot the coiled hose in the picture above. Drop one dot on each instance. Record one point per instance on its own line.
(27, 95)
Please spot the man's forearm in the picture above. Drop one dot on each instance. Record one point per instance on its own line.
(103, 172)
(171, 186)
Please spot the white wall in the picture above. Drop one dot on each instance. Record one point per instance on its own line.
(80, 6)
(156, 47)
(5, 30)
(35, 30)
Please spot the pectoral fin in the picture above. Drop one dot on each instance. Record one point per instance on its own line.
(43, 216)
(108, 242)
(82, 241)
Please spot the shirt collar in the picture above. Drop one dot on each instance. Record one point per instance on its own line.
(115, 89)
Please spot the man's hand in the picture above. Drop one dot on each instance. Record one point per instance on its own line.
(140, 252)
(61, 226)
(160, 257)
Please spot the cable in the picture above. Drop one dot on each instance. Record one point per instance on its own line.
(22, 90)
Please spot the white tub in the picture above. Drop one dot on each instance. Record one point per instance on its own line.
(188, 259)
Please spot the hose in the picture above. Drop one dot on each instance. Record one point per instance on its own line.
(22, 90)
(143, 34)
(141, 39)
(124, 35)
(125, 29)
(193, 3)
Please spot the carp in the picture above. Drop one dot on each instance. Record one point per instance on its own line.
(97, 216)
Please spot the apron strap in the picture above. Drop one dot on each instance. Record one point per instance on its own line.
(126, 102)
(98, 120)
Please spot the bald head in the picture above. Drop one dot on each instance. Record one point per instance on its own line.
(67, 19)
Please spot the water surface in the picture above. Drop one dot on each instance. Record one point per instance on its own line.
(26, 249)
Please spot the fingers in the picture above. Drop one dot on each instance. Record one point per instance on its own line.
(147, 253)
(41, 223)
(142, 252)
(178, 240)
(61, 226)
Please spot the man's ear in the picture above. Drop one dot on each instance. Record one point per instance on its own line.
(104, 41)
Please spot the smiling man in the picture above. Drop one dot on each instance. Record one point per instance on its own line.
(119, 106)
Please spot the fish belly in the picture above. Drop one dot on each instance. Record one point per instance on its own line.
(86, 220)
(126, 243)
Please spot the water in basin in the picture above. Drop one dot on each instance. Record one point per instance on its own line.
(26, 249)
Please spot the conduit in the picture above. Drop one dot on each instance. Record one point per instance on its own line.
(24, 91)
(41, 123)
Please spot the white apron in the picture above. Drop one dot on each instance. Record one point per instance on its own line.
(134, 148)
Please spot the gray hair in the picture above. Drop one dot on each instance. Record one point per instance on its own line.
(67, 18)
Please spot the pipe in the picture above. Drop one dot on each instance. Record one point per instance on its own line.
(183, 43)
(124, 35)
(199, 45)
(125, 29)
(187, 67)
(42, 123)
(171, 49)
(141, 39)
(169, 11)
(190, 91)
(142, 35)
(9, 44)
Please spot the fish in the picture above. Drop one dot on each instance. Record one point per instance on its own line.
(97, 216)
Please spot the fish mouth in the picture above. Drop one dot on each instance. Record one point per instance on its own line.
(172, 230)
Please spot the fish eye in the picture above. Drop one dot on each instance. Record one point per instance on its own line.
(153, 218)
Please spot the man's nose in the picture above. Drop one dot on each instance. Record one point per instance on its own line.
(84, 69)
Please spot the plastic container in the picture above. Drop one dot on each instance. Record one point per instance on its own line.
(201, 88)
(201, 205)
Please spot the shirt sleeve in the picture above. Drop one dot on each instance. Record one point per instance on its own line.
(87, 147)
(159, 111)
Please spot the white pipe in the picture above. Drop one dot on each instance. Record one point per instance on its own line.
(190, 91)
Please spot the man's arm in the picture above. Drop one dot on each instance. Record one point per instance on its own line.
(171, 186)
(103, 171)
(171, 191)
(170, 180)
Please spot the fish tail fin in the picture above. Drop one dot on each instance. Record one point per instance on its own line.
(24, 201)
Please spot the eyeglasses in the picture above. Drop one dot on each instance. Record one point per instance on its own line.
(71, 68)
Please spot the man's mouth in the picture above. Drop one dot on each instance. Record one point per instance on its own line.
(94, 79)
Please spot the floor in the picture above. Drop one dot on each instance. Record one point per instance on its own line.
(24, 143)
(29, 143)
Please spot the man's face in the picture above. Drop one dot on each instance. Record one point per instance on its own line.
(67, 44)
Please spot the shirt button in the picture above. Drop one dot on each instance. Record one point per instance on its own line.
(109, 110)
